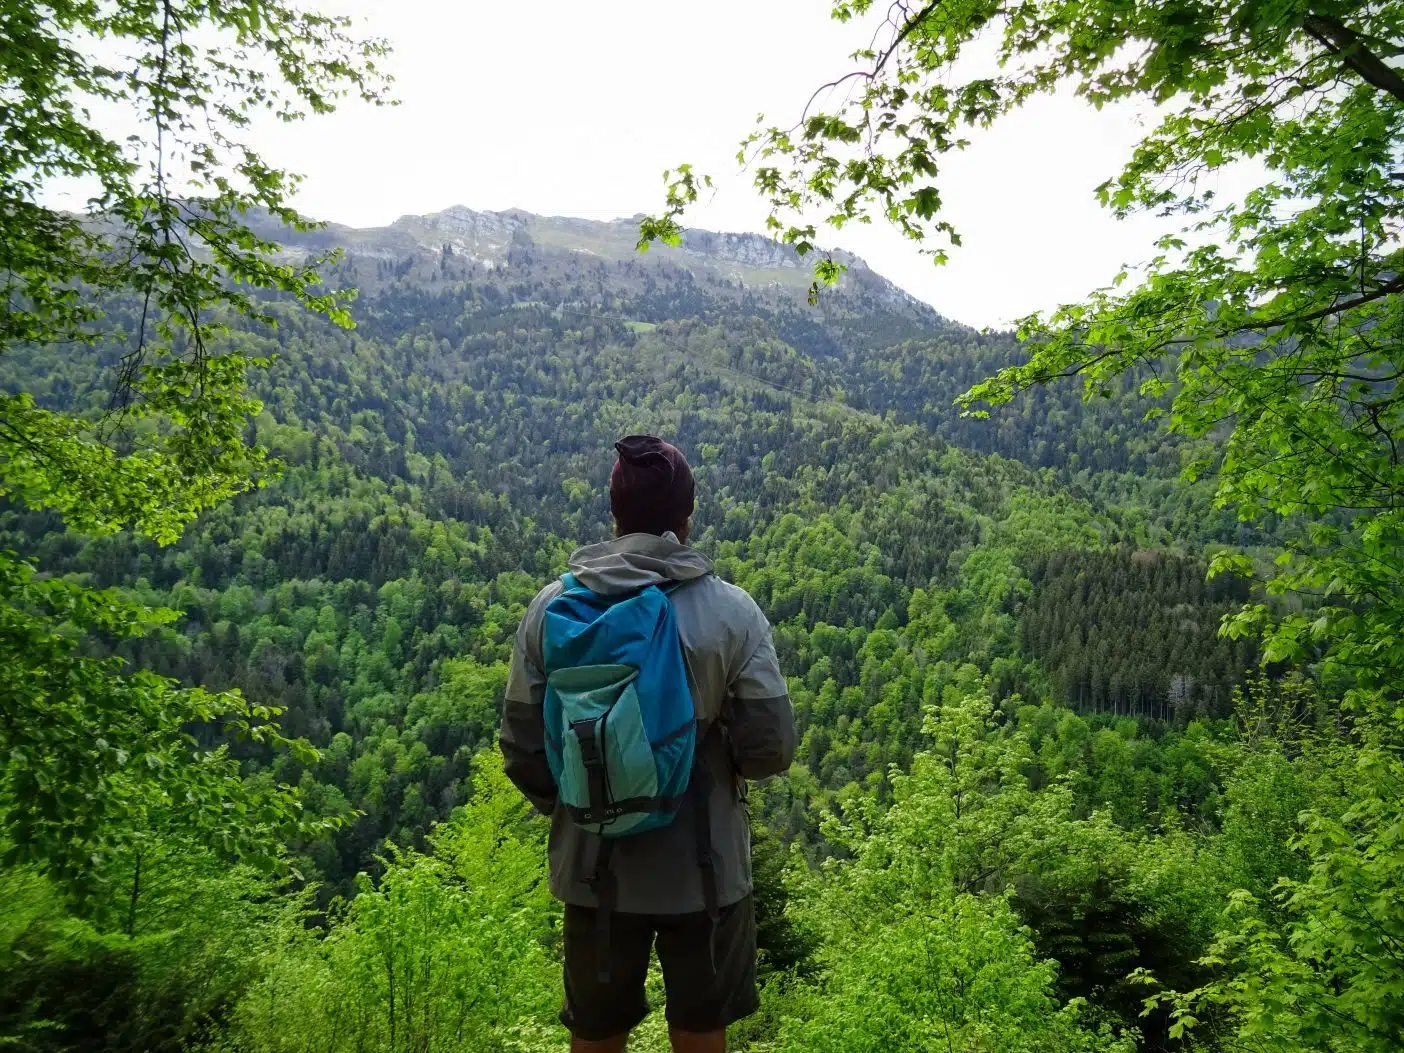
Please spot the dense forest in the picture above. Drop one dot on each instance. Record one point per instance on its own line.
(1098, 694)
(372, 590)
(439, 463)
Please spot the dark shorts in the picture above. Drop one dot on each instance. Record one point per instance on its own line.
(709, 978)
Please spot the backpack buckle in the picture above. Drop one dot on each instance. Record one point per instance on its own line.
(590, 753)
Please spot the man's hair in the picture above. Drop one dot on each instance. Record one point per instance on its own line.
(651, 489)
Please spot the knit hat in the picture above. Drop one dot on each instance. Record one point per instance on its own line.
(650, 489)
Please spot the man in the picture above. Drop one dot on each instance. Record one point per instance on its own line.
(746, 731)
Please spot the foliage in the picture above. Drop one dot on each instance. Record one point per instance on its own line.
(1276, 312)
(1311, 960)
(164, 225)
(785, 946)
(91, 755)
(915, 957)
(96, 761)
(1131, 631)
(448, 951)
(188, 940)
(947, 973)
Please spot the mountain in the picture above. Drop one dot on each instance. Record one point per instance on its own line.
(463, 243)
(441, 460)
(1040, 574)
(867, 343)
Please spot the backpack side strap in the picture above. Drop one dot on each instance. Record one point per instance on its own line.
(605, 886)
(702, 824)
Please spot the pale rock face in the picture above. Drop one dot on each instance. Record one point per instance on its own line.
(470, 230)
(462, 222)
(749, 250)
(481, 236)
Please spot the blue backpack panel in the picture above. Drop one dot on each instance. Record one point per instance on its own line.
(620, 725)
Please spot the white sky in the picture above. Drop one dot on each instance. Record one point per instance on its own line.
(565, 108)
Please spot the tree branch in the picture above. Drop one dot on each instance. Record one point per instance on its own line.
(1390, 287)
(882, 59)
(1345, 42)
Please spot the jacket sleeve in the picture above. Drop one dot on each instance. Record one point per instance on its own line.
(523, 735)
(759, 720)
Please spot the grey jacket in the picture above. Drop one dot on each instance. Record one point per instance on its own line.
(736, 682)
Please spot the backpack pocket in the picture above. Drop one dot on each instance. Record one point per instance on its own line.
(609, 778)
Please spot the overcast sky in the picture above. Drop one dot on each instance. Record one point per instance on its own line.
(575, 109)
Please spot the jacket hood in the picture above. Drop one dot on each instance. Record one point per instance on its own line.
(634, 561)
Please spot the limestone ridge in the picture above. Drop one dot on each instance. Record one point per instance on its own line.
(494, 241)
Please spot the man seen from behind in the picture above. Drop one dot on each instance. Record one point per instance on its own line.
(574, 743)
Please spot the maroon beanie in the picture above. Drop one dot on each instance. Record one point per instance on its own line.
(650, 490)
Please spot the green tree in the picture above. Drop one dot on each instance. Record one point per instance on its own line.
(1308, 954)
(150, 273)
(199, 932)
(448, 951)
(1272, 323)
(921, 947)
(1279, 311)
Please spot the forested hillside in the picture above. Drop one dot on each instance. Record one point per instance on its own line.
(440, 462)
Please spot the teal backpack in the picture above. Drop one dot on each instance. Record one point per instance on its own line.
(620, 726)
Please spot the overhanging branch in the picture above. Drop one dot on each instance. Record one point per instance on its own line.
(1339, 38)
(906, 30)
(1390, 287)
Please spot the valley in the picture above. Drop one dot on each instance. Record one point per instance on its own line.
(1036, 578)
